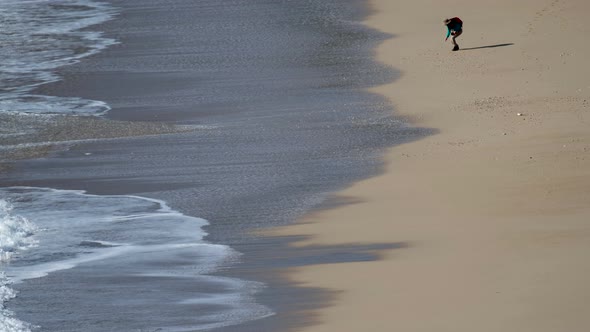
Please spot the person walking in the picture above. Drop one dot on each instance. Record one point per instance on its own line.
(455, 28)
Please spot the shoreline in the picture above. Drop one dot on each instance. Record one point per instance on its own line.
(228, 174)
(493, 209)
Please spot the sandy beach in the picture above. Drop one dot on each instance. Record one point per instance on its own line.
(493, 210)
(475, 219)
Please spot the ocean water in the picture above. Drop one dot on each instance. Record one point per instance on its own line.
(39, 36)
(158, 255)
(153, 249)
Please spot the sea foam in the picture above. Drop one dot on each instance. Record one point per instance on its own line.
(16, 234)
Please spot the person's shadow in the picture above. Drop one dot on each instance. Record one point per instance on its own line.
(488, 46)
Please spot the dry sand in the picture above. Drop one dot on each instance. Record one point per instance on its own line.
(495, 209)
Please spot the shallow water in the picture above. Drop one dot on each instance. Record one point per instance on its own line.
(39, 36)
(155, 258)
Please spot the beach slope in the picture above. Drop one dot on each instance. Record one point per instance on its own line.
(495, 209)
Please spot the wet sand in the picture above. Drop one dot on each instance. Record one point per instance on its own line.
(52, 134)
(495, 208)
